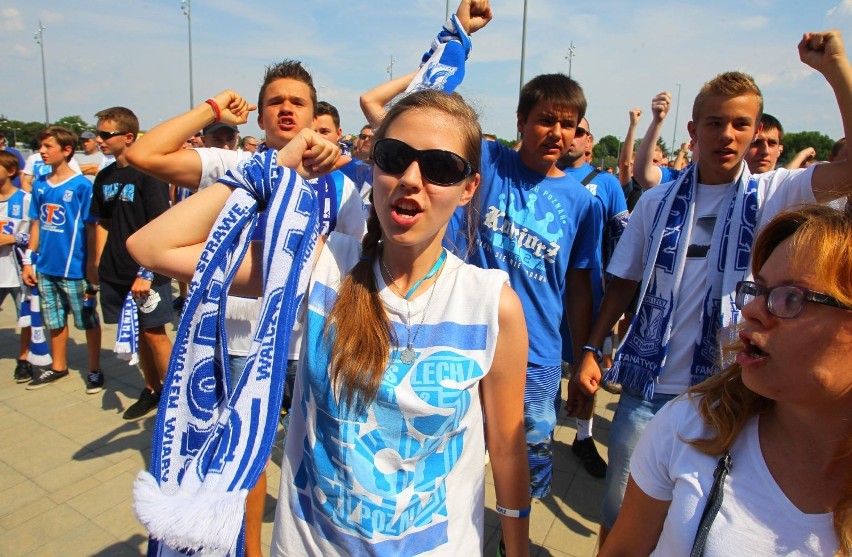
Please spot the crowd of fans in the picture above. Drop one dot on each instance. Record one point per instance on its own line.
(454, 283)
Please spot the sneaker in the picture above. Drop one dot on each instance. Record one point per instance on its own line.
(23, 372)
(94, 382)
(45, 377)
(587, 452)
(147, 401)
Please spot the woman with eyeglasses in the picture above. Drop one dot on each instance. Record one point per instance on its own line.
(406, 347)
(757, 460)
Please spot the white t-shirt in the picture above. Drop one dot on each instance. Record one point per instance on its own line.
(350, 220)
(14, 218)
(777, 190)
(406, 475)
(755, 514)
(35, 167)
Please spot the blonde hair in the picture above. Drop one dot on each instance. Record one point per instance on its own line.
(728, 84)
(821, 239)
(363, 334)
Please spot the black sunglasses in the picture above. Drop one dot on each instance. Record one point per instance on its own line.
(363, 136)
(443, 168)
(106, 135)
(580, 132)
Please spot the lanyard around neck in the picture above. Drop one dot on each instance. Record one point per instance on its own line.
(435, 268)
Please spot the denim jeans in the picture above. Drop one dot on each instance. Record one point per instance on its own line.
(632, 416)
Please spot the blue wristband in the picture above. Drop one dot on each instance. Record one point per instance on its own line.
(145, 274)
(512, 513)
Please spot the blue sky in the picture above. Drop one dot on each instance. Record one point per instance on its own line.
(101, 53)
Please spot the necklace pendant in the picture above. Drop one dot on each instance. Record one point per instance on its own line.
(408, 355)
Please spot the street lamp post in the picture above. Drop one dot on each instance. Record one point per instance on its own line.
(570, 56)
(187, 11)
(677, 112)
(390, 67)
(39, 37)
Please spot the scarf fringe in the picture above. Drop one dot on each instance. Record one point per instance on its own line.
(190, 521)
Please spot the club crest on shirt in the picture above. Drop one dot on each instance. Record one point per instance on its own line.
(68, 196)
(15, 210)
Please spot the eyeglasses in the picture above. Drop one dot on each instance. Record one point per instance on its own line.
(363, 136)
(106, 135)
(580, 132)
(443, 168)
(785, 301)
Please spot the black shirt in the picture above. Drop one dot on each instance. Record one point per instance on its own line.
(128, 200)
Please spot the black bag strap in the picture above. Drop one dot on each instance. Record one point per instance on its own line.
(714, 502)
(591, 176)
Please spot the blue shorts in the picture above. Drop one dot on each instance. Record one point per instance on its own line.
(632, 416)
(60, 296)
(542, 388)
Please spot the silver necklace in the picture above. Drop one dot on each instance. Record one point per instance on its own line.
(408, 355)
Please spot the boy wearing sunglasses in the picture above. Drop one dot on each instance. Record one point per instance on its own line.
(123, 201)
(688, 245)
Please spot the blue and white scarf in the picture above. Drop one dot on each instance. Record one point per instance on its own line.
(210, 448)
(39, 354)
(127, 332)
(645, 348)
(442, 66)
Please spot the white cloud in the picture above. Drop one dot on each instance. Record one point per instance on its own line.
(10, 20)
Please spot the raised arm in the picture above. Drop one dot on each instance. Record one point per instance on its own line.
(644, 170)
(826, 53)
(503, 400)
(799, 158)
(680, 160)
(172, 243)
(626, 155)
(158, 153)
(373, 102)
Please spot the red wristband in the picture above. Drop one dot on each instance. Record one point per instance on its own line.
(216, 112)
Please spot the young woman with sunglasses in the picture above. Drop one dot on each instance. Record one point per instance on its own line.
(406, 347)
(782, 414)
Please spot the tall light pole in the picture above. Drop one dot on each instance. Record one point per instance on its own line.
(390, 67)
(39, 37)
(677, 112)
(523, 46)
(570, 56)
(187, 11)
(446, 17)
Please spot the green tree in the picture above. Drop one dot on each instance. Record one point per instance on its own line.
(75, 123)
(607, 146)
(796, 141)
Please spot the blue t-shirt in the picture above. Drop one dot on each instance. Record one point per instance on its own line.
(360, 172)
(536, 228)
(62, 211)
(607, 190)
(669, 174)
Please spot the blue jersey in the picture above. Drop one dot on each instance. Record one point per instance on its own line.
(536, 228)
(613, 207)
(62, 211)
(669, 174)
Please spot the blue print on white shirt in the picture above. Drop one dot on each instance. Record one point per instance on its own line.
(379, 473)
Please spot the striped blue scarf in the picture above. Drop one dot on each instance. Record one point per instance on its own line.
(645, 348)
(211, 441)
